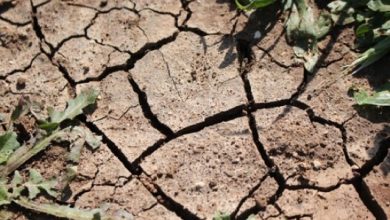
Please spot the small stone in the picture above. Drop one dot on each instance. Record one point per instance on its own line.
(295, 154)
(355, 168)
(257, 35)
(316, 165)
(199, 185)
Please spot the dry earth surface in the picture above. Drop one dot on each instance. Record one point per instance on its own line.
(198, 112)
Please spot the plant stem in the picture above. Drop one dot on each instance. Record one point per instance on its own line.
(23, 155)
(59, 210)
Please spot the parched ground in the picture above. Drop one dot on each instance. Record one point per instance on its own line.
(201, 109)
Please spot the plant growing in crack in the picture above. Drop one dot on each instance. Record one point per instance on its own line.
(371, 18)
(58, 126)
(303, 31)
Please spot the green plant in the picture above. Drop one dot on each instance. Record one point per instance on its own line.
(253, 4)
(225, 216)
(221, 216)
(16, 189)
(371, 18)
(59, 126)
(50, 130)
(381, 97)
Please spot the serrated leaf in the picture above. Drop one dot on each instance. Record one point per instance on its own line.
(34, 176)
(37, 184)
(8, 143)
(94, 141)
(16, 184)
(379, 5)
(303, 30)
(17, 179)
(75, 150)
(341, 12)
(378, 98)
(75, 106)
(25, 153)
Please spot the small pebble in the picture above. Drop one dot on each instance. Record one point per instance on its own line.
(199, 185)
(316, 164)
(257, 35)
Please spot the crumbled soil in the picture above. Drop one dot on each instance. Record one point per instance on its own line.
(202, 108)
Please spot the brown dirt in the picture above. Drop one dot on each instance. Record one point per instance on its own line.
(186, 131)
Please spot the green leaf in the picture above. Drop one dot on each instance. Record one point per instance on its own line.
(75, 150)
(371, 55)
(341, 12)
(253, 4)
(304, 31)
(94, 141)
(363, 29)
(16, 184)
(221, 216)
(379, 5)
(24, 153)
(378, 98)
(61, 211)
(37, 184)
(17, 179)
(75, 107)
(4, 198)
(8, 143)
(48, 126)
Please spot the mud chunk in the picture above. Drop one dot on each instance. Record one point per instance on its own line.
(21, 83)
(213, 186)
(103, 3)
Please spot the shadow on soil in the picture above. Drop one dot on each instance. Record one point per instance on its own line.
(385, 165)
(262, 20)
(377, 75)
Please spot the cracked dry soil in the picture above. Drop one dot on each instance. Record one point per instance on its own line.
(196, 115)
